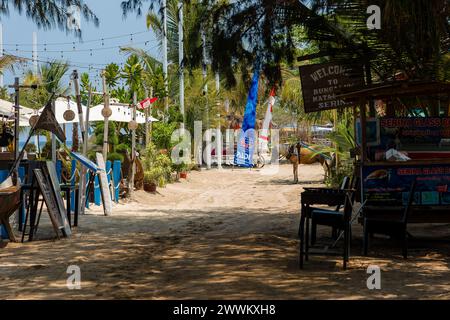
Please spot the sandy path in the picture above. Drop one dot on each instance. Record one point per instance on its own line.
(206, 238)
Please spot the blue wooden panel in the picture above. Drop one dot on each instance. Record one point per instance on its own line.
(97, 193)
(72, 182)
(59, 170)
(109, 175)
(116, 178)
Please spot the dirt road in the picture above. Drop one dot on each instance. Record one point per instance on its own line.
(219, 235)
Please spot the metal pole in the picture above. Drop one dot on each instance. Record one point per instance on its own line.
(181, 58)
(17, 119)
(35, 54)
(165, 63)
(133, 147)
(106, 125)
(205, 92)
(150, 125)
(54, 137)
(1, 51)
(146, 118)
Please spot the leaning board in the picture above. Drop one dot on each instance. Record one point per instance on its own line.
(104, 188)
(54, 184)
(50, 200)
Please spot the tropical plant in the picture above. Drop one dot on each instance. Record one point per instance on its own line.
(162, 133)
(132, 73)
(112, 75)
(48, 14)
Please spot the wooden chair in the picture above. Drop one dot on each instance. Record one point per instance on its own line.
(394, 226)
(344, 185)
(338, 219)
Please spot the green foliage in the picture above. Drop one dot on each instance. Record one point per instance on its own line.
(122, 147)
(30, 148)
(113, 156)
(48, 14)
(162, 133)
(112, 75)
(157, 166)
(113, 138)
(132, 73)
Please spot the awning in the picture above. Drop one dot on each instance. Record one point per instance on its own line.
(7, 111)
(61, 106)
(120, 113)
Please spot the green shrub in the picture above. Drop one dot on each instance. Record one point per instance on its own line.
(113, 156)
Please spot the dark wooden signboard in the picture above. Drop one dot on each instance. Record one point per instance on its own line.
(321, 83)
(50, 200)
(54, 184)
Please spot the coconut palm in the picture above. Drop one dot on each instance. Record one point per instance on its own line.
(132, 73)
(112, 75)
(48, 14)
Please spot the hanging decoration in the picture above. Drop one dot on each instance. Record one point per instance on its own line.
(106, 112)
(132, 125)
(147, 102)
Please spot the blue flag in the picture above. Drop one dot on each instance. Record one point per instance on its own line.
(247, 136)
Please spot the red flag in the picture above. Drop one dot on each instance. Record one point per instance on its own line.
(147, 102)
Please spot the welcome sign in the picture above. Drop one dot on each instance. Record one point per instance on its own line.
(321, 83)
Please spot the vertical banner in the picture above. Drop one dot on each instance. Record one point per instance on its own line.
(246, 144)
(264, 134)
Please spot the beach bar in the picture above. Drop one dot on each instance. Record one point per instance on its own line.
(405, 137)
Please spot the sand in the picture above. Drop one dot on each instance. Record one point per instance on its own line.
(228, 234)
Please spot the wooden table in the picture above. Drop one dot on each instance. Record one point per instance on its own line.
(313, 197)
(32, 211)
(10, 200)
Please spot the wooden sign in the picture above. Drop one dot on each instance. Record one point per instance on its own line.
(321, 83)
(54, 184)
(49, 199)
(104, 187)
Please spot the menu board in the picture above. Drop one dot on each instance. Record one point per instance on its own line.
(386, 185)
(50, 200)
(414, 132)
(321, 83)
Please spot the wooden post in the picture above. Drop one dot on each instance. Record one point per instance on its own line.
(106, 117)
(80, 109)
(17, 119)
(362, 114)
(133, 148)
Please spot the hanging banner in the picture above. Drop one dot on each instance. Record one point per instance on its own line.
(246, 144)
(264, 135)
(147, 103)
(321, 83)
(47, 121)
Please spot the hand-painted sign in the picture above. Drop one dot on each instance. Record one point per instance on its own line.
(390, 185)
(414, 131)
(321, 83)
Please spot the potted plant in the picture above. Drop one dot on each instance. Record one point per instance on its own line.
(151, 179)
(183, 172)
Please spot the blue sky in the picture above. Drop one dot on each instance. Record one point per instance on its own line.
(18, 29)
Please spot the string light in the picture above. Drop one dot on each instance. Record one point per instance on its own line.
(81, 42)
(86, 50)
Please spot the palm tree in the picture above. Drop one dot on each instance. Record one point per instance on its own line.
(48, 14)
(112, 75)
(132, 73)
